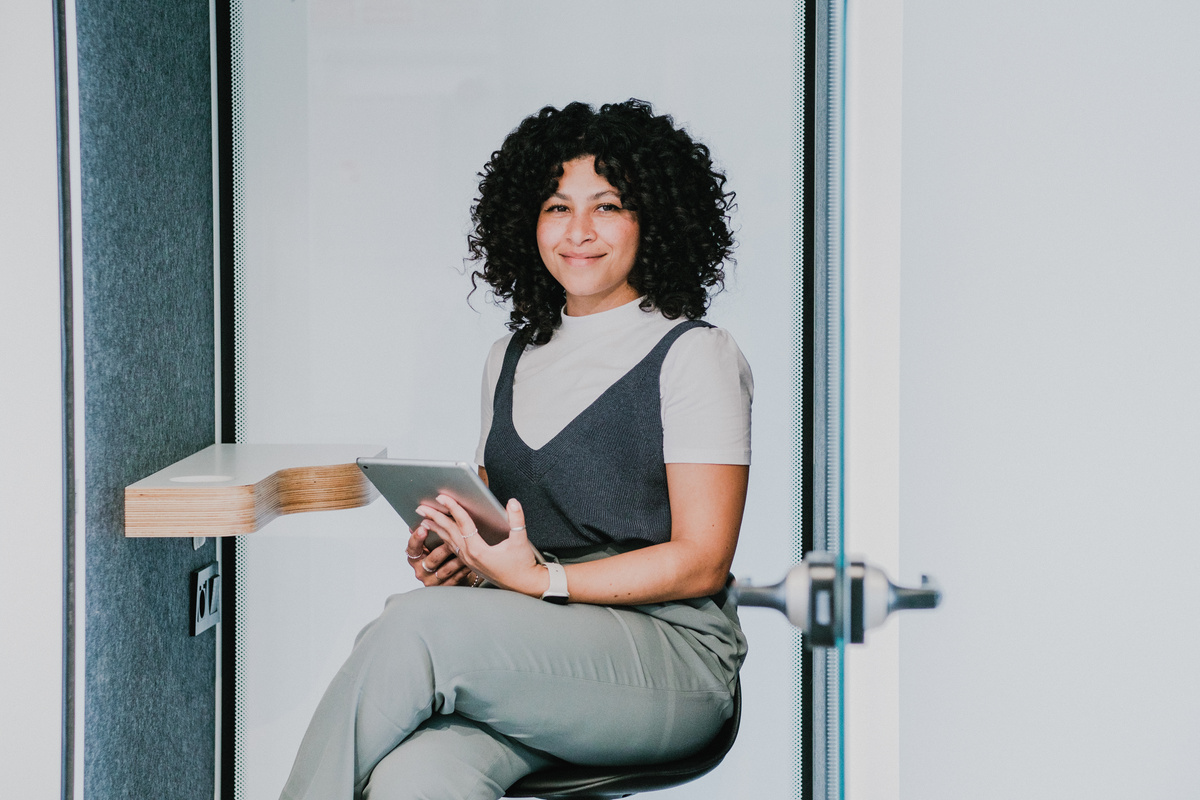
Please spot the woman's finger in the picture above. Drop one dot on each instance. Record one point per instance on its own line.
(416, 543)
(435, 518)
(424, 573)
(448, 572)
(516, 519)
(439, 555)
(429, 563)
(440, 525)
(466, 525)
(461, 530)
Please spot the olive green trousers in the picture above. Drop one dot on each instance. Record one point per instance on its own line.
(456, 692)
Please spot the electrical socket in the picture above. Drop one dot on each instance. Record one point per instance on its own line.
(205, 593)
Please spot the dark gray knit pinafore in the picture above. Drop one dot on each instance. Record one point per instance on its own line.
(602, 478)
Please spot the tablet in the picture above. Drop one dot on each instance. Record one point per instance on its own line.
(408, 484)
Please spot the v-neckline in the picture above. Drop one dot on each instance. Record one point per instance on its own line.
(512, 386)
(574, 421)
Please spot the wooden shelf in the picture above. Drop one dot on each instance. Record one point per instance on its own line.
(235, 489)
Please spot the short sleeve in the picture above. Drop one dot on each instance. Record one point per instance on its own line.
(707, 390)
(491, 376)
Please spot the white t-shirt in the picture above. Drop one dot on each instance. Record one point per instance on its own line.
(705, 386)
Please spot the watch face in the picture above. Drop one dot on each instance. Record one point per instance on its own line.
(557, 599)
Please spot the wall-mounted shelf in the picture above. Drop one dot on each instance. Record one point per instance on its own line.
(234, 489)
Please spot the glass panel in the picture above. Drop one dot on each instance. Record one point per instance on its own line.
(1047, 413)
(828, 395)
(360, 129)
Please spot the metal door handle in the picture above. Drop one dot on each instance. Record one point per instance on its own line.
(812, 598)
(927, 596)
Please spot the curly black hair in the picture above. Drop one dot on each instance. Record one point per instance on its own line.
(662, 174)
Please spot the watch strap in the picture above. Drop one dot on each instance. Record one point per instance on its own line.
(556, 592)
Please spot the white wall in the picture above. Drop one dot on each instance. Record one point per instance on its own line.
(30, 409)
(1048, 395)
(365, 128)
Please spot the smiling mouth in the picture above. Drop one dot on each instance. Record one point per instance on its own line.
(580, 257)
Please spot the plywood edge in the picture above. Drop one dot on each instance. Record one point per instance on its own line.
(189, 511)
(235, 510)
(326, 488)
(297, 490)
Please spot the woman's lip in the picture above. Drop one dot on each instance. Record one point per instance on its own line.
(581, 256)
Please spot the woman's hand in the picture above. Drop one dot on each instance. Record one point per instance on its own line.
(437, 567)
(510, 564)
(707, 501)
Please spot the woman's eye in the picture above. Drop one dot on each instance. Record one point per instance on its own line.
(609, 207)
(555, 209)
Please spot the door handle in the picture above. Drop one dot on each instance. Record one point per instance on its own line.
(829, 610)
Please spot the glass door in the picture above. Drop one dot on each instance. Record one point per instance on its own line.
(1018, 368)
(356, 133)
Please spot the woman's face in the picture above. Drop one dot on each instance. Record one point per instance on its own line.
(587, 240)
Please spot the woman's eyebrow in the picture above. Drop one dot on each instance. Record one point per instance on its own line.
(596, 196)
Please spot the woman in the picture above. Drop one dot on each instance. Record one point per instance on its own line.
(616, 430)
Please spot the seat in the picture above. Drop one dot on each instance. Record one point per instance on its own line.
(601, 783)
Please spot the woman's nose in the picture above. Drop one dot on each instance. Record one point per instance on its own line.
(581, 229)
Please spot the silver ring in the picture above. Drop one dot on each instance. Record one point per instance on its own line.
(469, 535)
(425, 567)
(413, 558)
(518, 528)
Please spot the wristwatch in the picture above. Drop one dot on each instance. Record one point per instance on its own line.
(556, 592)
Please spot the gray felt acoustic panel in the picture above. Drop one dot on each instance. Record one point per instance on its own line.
(146, 171)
